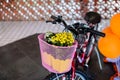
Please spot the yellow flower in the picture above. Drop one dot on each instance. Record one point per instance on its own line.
(62, 39)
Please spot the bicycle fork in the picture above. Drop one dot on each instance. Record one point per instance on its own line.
(74, 66)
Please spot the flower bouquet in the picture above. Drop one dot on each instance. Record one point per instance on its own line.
(57, 51)
(59, 39)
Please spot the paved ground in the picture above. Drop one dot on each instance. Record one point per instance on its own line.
(21, 61)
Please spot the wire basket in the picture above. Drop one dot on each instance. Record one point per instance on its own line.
(56, 59)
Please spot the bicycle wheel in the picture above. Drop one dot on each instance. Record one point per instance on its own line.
(78, 76)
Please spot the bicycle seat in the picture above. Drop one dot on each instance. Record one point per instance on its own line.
(92, 17)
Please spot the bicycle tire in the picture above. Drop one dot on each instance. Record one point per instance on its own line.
(78, 76)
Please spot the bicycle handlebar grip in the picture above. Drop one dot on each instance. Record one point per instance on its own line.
(97, 32)
(54, 17)
(53, 22)
(48, 21)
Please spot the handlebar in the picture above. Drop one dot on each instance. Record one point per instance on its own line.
(81, 27)
(96, 32)
(76, 28)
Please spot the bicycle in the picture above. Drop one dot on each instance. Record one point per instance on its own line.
(85, 34)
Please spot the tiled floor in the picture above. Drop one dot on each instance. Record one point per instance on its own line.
(21, 61)
(11, 31)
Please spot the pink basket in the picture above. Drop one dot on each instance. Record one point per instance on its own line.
(56, 59)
